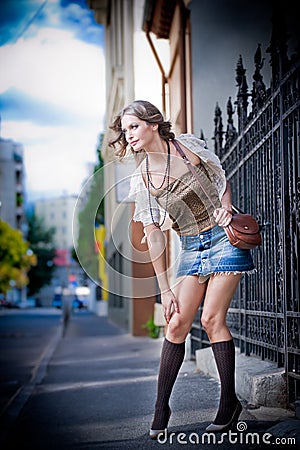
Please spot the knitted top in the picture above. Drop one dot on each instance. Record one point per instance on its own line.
(188, 206)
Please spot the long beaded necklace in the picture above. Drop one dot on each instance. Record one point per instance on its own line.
(157, 188)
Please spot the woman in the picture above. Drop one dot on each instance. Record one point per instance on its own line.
(163, 182)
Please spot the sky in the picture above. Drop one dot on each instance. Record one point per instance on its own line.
(52, 90)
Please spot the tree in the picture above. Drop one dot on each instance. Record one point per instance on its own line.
(42, 243)
(16, 258)
(89, 217)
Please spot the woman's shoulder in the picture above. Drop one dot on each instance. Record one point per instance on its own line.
(191, 141)
(197, 146)
(210, 159)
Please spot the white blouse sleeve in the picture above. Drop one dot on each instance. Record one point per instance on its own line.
(138, 193)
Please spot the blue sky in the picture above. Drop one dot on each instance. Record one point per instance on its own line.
(52, 89)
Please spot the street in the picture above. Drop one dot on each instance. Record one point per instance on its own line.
(24, 337)
(96, 390)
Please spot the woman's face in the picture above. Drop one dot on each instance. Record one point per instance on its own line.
(138, 133)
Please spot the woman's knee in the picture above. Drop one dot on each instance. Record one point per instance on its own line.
(177, 328)
(210, 323)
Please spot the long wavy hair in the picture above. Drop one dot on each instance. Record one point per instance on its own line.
(144, 111)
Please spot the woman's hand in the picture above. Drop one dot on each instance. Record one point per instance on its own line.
(222, 216)
(169, 304)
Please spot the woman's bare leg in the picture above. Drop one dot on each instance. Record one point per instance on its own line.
(218, 297)
(219, 294)
(189, 294)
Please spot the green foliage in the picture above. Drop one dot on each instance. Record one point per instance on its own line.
(153, 330)
(15, 256)
(99, 183)
(91, 215)
(41, 242)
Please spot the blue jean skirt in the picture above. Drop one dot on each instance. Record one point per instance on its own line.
(210, 252)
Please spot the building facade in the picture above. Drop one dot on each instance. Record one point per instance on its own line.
(58, 213)
(205, 40)
(132, 291)
(12, 184)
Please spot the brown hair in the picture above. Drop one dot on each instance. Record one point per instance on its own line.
(144, 111)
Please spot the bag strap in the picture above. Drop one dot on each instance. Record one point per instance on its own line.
(196, 175)
(192, 169)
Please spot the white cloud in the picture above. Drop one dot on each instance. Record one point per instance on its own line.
(25, 131)
(55, 67)
(55, 159)
(61, 164)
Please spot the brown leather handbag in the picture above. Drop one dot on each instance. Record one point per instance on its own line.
(243, 231)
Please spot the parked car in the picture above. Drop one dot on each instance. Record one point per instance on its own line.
(8, 303)
(57, 301)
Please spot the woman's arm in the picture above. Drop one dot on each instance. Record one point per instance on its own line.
(157, 249)
(223, 215)
(226, 199)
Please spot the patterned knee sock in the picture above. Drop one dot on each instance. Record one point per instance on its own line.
(170, 362)
(224, 353)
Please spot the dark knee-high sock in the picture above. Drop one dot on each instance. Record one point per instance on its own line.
(170, 362)
(224, 353)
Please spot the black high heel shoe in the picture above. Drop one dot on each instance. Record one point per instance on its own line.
(214, 428)
(155, 433)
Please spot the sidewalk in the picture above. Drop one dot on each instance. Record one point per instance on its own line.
(98, 392)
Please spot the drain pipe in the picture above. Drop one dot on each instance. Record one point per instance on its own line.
(164, 79)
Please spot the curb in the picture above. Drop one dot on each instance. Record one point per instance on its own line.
(258, 382)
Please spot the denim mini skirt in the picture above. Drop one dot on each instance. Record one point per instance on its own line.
(210, 252)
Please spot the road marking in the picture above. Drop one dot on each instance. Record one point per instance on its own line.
(93, 384)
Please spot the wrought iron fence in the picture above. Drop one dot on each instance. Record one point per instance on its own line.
(261, 160)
